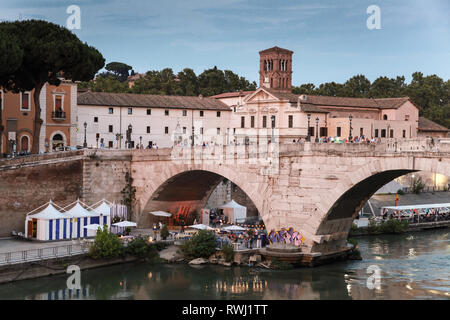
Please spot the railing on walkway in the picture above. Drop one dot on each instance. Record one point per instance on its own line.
(14, 257)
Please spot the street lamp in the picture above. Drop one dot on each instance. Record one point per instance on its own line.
(97, 136)
(130, 127)
(350, 117)
(140, 143)
(308, 137)
(317, 129)
(273, 127)
(85, 141)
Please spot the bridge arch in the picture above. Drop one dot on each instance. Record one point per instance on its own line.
(191, 186)
(343, 202)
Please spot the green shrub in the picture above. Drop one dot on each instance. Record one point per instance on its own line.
(164, 232)
(141, 248)
(201, 245)
(228, 252)
(106, 245)
(353, 229)
(373, 227)
(394, 226)
(400, 192)
(418, 185)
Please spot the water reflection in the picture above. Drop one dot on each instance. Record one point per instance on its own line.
(412, 267)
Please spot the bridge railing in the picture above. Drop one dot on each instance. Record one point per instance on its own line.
(39, 254)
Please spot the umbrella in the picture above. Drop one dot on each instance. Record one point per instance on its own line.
(125, 224)
(201, 227)
(93, 226)
(234, 228)
(161, 214)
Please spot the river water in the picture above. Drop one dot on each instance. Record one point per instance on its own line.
(412, 266)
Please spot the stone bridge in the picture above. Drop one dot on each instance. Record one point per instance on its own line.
(317, 189)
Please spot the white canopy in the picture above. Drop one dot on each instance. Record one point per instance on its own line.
(232, 204)
(234, 228)
(201, 227)
(94, 226)
(420, 206)
(103, 209)
(49, 213)
(161, 214)
(125, 224)
(234, 211)
(78, 211)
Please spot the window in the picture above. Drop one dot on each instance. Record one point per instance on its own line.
(201, 130)
(166, 112)
(264, 124)
(404, 134)
(218, 131)
(95, 119)
(361, 132)
(110, 128)
(25, 103)
(201, 113)
(130, 110)
(148, 129)
(311, 131)
(58, 103)
(166, 130)
(338, 131)
(323, 131)
(184, 130)
(218, 114)
(406, 117)
(149, 112)
(383, 133)
(291, 121)
(242, 122)
(111, 110)
(391, 133)
(184, 113)
(252, 121)
(376, 133)
(273, 121)
(385, 117)
(110, 144)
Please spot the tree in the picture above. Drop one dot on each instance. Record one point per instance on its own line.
(307, 88)
(119, 69)
(357, 86)
(49, 52)
(11, 56)
(331, 89)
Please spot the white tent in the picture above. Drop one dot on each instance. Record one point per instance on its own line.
(125, 224)
(101, 213)
(47, 224)
(234, 228)
(161, 214)
(81, 217)
(201, 227)
(234, 211)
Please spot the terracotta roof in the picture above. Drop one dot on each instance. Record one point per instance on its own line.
(276, 49)
(150, 101)
(324, 101)
(232, 94)
(428, 125)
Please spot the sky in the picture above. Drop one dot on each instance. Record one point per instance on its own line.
(330, 38)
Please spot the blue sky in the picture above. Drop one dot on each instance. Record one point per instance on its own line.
(330, 39)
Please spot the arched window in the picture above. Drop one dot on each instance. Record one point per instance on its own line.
(24, 143)
(57, 141)
(385, 117)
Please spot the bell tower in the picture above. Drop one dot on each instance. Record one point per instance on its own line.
(275, 69)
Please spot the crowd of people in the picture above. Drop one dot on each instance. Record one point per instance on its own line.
(418, 215)
(249, 239)
(356, 139)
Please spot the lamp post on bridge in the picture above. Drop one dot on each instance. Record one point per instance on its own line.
(350, 118)
(85, 141)
(317, 130)
(308, 137)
